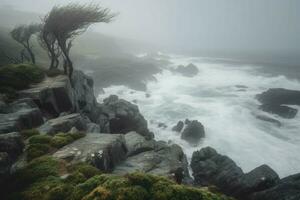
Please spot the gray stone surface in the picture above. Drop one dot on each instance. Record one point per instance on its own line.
(64, 124)
(137, 144)
(104, 151)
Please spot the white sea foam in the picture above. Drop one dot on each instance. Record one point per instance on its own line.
(226, 111)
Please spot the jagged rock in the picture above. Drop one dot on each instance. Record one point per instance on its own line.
(287, 189)
(179, 126)
(193, 132)
(83, 93)
(120, 116)
(103, 151)
(282, 111)
(269, 119)
(53, 95)
(211, 168)
(189, 70)
(93, 128)
(56, 95)
(21, 114)
(12, 144)
(163, 160)
(64, 124)
(5, 165)
(279, 96)
(136, 144)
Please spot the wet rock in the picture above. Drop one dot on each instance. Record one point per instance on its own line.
(103, 151)
(211, 168)
(269, 119)
(12, 144)
(120, 116)
(188, 71)
(5, 165)
(193, 132)
(179, 126)
(136, 144)
(21, 114)
(147, 95)
(279, 96)
(64, 124)
(287, 189)
(163, 160)
(282, 111)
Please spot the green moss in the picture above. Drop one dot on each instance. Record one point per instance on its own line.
(40, 139)
(37, 150)
(99, 193)
(75, 178)
(58, 141)
(131, 193)
(86, 169)
(29, 132)
(20, 76)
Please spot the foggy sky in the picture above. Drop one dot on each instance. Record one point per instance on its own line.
(238, 25)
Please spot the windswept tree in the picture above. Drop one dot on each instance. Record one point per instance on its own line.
(66, 22)
(22, 34)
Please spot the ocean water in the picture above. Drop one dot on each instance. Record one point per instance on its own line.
(222, 98)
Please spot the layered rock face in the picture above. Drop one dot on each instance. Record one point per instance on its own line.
(21, 114)
(275, 100)
(211, 168)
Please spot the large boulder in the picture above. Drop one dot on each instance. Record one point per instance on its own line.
(21, 114)
(193, 132)
(120, 116)
(287, 189)
(103, 151)
(279, 96)
(211, 168)
(56, 95)
(64, 124)
(163, 160)
(136, 143)
(189, 71)
(282, 111)
(53, 95)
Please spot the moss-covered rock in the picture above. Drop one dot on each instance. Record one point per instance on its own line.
(20, 76)
(29, 132)
(37, 150)
(87, 170)
(59, 141)
(40, 139)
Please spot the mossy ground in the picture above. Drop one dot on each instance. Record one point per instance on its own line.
(42, 179)
(39, 145)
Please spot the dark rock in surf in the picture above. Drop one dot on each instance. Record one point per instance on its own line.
(179, 126)
(288, 188)
(120, 116)
(282, 111)
(193, 132)
(211, 168)
(279, 96)
(188, 71)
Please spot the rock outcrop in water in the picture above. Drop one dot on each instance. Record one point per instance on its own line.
(193, 132)
(189, 71)
(275, 100)
(262, 183)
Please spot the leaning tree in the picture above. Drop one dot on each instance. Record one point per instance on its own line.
(66, 22)
(22, 34)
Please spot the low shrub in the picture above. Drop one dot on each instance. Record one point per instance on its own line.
(37, 150)
(20, 76)
(40, 139)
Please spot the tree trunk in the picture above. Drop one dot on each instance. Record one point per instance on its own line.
(31, 54)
